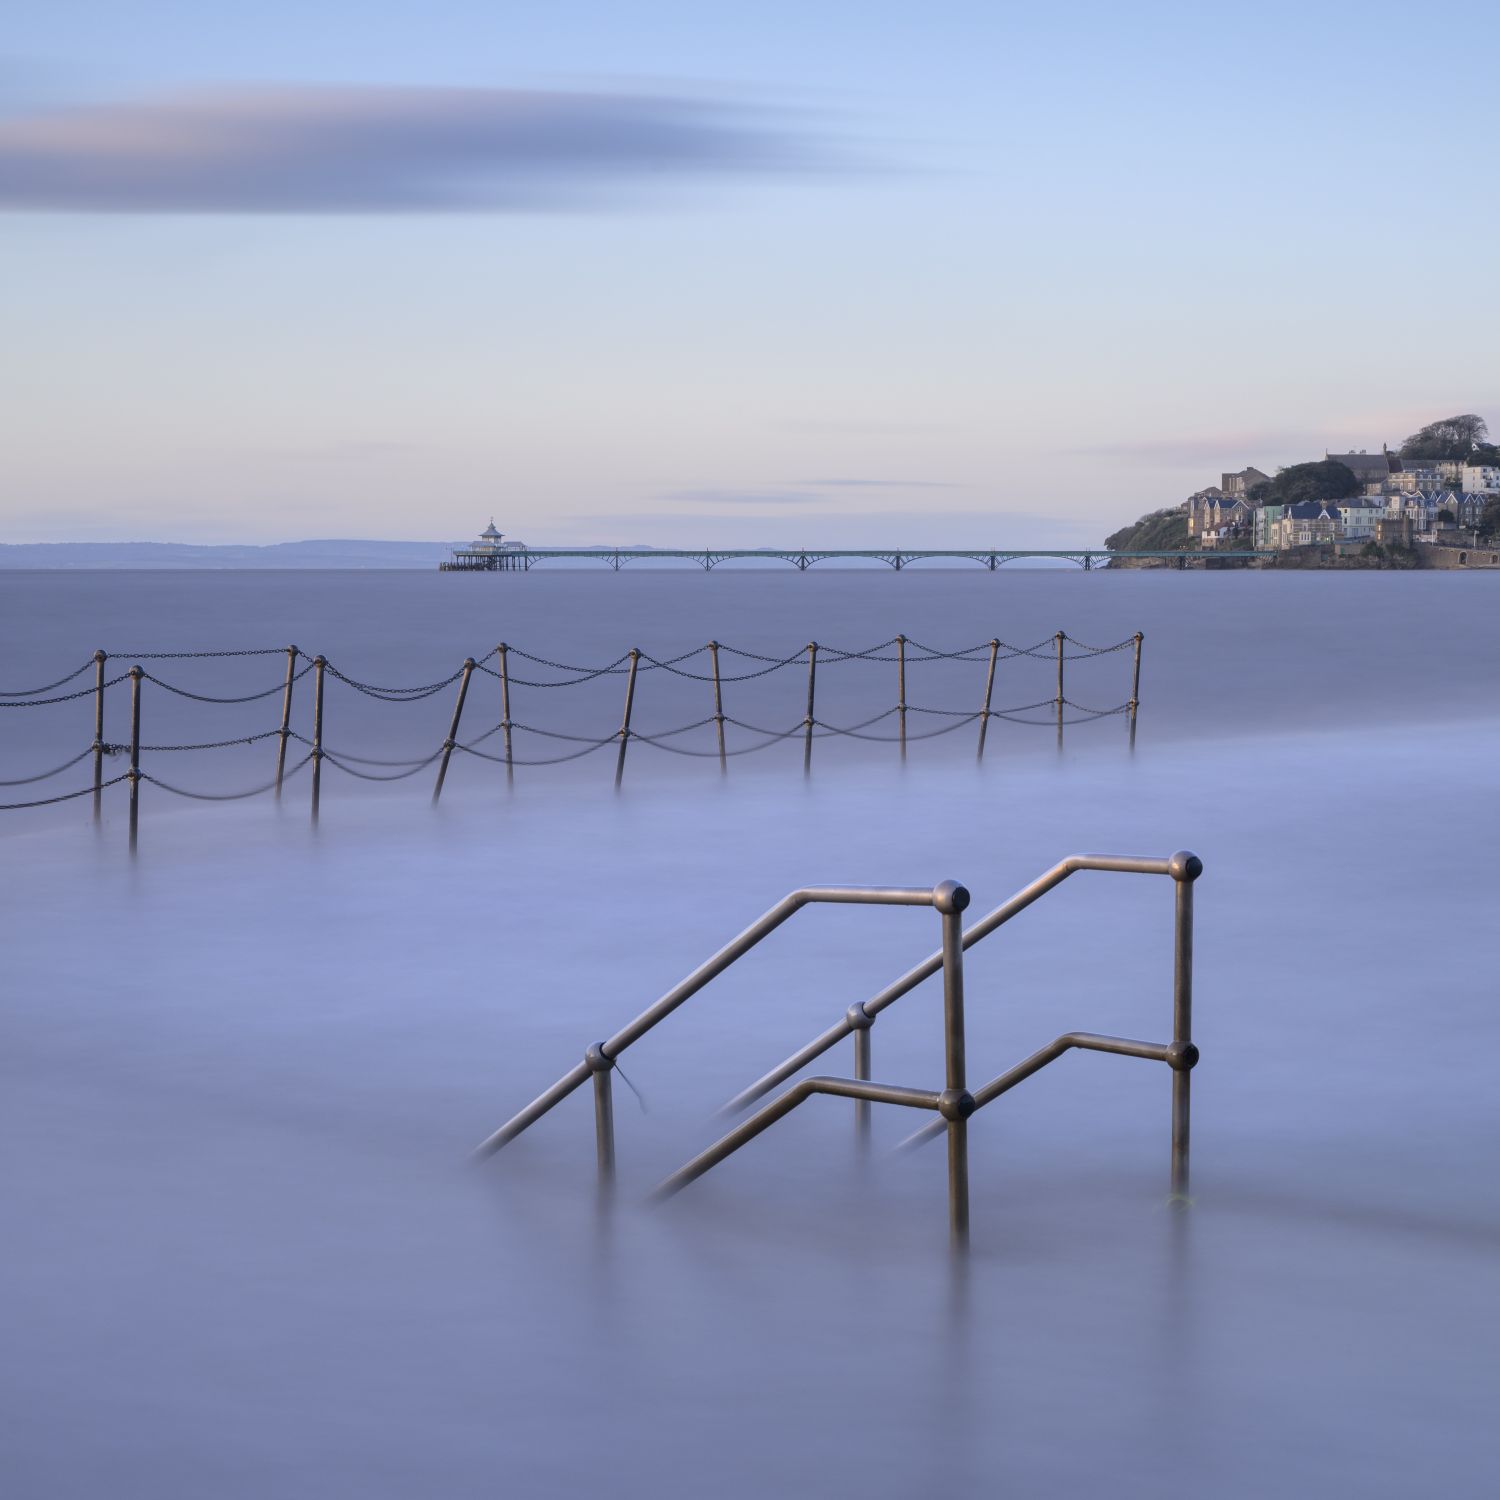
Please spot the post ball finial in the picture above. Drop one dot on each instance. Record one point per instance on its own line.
(1184, 865)
(950, 897)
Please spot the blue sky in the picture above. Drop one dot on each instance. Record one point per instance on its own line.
(697, 273)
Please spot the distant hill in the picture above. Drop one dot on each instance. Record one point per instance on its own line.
(319, 554)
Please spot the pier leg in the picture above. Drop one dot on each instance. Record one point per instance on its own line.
(135, 755)
(901, 689)
(1135, 687)
(1182, 1020)
(1061, 640)
(319, 663)
(510, 769)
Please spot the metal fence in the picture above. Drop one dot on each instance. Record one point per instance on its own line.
(954, 1104)
(513, 743)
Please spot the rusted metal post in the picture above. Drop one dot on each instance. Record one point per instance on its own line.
(1061, 640)
(510, 769)
(286, 716)
(713, 651)
(956, 1103)
(1135, 687)
(989, 693)
(100, 658)
(812, 680)
(135, 754)
(319, 663)
(901, 689)
(861, 1020)
(452, 740)
(635, 661)
(1185, 869)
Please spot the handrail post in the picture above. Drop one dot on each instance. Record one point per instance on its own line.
(135, 753)
(635, 661)
(956, 1104)
(1135, 687)
(601, 1065)
(713, 652)
(901, 688)
(452, 740)
(989, 693)
(1185, 869)
(1060, 638)
(286, 717)
(100, 657)
(510, 769)
(861, 1021)
(812, 680)
(319, 663)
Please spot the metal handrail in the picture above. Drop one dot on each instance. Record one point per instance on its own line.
(598, 1061)
(955, 1104)
(859, 1017)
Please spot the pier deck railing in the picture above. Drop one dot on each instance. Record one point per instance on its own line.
(512, 669)
(954, 1103)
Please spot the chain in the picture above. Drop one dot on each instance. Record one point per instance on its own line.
(65, 796)
(32, 692)
(256, 791)
(63, 697)
(67, 765)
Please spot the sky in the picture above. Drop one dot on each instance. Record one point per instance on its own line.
(705, 274)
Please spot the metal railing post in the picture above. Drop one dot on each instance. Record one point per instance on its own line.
(601, 1065)
(135, 753)
(812, 681)
(286, 717)
(319, 663)
(635, 661)
(1135, 687)
(452, 740)
(901, 690)
(100, 658)
(956, 1103)
(1061, 639)
(861, 1021)
(989, 693)
(713, 652)
(510, 769)
(1185, 869)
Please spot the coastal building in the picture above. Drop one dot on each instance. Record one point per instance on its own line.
(489, 552)
(1239, 484)
(1372, 470)
(1357, 518)
(1481, 479)
(1211, 510)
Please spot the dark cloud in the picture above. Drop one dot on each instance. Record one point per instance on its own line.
(386, 150)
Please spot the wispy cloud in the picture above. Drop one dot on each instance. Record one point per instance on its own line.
(881, 484)
(388, 150)
(744, 497)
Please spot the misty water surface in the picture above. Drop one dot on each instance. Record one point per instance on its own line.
(245, 1252)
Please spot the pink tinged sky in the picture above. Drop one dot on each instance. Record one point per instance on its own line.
(651, 272)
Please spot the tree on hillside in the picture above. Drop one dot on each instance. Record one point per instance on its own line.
(1489, 518)
(1453, 437)
(1160, 531)
(1327, 479)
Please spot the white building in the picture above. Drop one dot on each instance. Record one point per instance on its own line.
(1481, 479)
(1357, 518)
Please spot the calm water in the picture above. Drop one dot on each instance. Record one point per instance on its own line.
(245, 1254)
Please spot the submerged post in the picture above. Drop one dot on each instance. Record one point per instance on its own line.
(812, 682)
(135, 753)
(635, 661)
(452, 740)
(1185, 868)
(901, 689)
(601, 1066)
(1135, 687)
(319, 663)
(956, 1104)
(100, 658)
(713, 652)
(286, 716)
(510, 769)
(1061, 640)
(989, 693)
(860, 1021)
